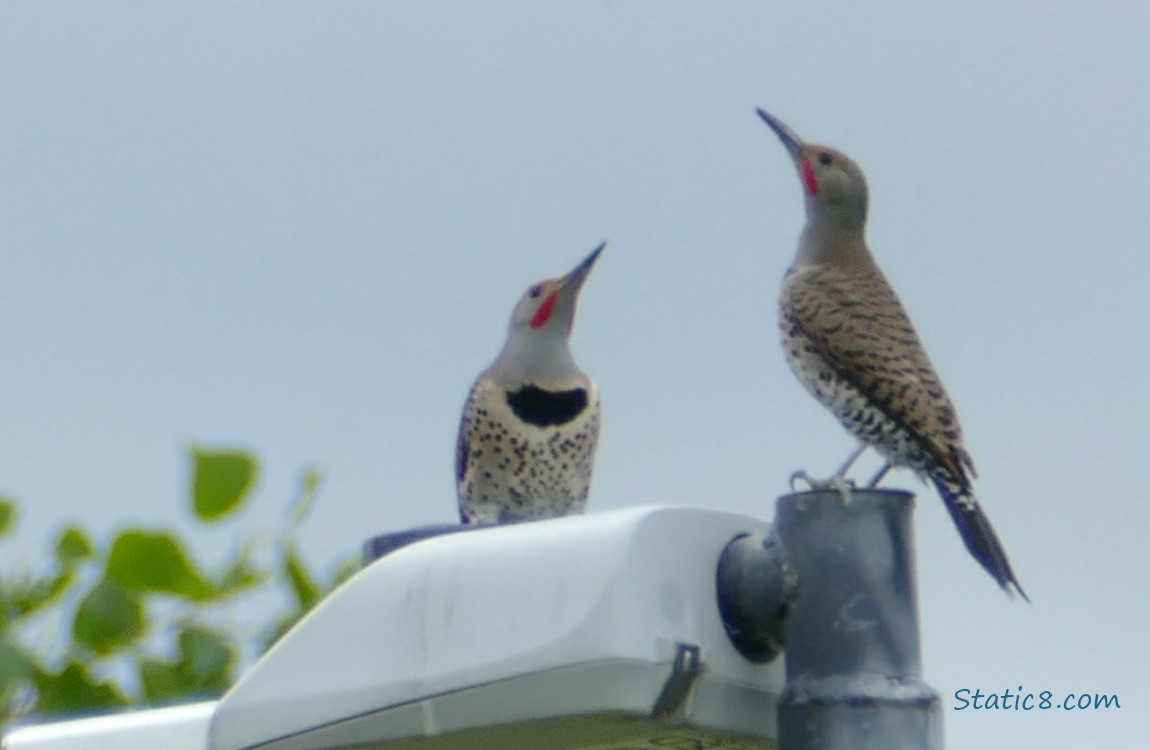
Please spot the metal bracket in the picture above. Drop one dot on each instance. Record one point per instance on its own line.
(685, 671)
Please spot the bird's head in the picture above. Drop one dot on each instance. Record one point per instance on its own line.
(834, 186)
(537, 347)
(547, 308)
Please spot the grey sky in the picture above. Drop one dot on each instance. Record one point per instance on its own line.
(301, 228)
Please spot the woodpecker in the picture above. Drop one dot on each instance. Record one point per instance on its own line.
(850, 342)
(527, 439)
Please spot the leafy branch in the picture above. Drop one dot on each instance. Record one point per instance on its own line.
(138, 619)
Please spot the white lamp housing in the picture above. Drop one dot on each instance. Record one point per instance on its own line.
(581, 632)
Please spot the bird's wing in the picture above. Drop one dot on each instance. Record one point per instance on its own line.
(858, 325)
(462, 449)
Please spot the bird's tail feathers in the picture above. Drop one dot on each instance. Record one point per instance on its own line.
(978, 534)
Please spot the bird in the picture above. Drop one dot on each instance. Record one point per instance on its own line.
(530, 426)
(849, 340)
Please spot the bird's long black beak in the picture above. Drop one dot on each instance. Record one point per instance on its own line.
(580, 271)
(793, 143)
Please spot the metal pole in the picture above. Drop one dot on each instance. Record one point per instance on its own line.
(854, 667)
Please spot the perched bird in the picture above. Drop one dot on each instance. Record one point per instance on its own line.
(851, 343)
(527, 439)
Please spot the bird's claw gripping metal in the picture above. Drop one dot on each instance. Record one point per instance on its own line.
(835, 482)
(801, 475)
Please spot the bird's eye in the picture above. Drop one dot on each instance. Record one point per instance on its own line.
(825, 158)
(536, 291)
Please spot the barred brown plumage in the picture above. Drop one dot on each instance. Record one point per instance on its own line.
(849, 340)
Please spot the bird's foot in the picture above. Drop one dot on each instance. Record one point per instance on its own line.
(844, 486)
(835, 482)
(801, 475)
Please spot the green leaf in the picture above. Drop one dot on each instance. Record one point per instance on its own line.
(15, 665)
(55, 590)
(279, 629)
(20, 597)
(345, 570)
(303, 585)
(296, 573)
(9, 511)
(18, 673)
(74, 546)
(75, 689)
(205, 667)
(207, 658)
(221, 480)
(160, 680)
(109, 616)
(240, 574)
(157, 562)
(305, 499)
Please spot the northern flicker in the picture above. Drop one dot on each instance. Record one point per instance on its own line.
(851, 343)
(527, 439)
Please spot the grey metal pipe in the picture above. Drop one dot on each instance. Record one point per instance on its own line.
(853, 659)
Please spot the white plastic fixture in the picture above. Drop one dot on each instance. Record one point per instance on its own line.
(591, 632)
(173, 728)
